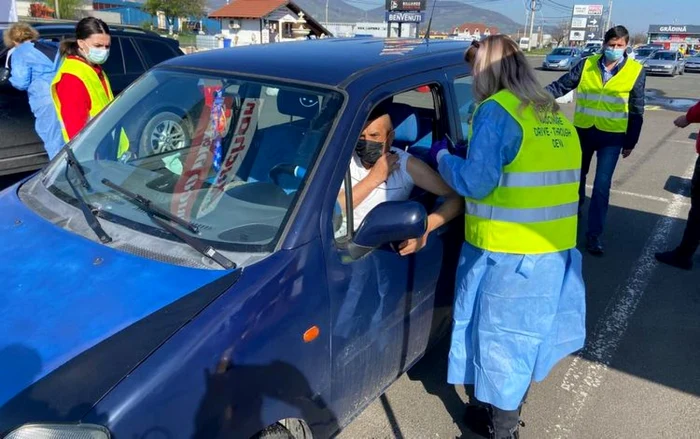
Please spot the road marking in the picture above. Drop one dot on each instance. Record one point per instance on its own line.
(588, 369)
(652, 107)
(643, 196)
(685, 142)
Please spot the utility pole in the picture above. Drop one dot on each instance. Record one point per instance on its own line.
(607, 24)
(533, 6)
(326, 13)
(58, 13)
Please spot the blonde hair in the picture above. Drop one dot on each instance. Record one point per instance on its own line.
(501, 65)
(19, 33)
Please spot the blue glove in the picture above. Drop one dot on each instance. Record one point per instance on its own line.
(435, 148)
(461, 149)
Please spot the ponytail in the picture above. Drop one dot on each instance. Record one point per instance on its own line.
(69, 47)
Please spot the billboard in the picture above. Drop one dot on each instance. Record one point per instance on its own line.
(588, 10)
(579, 22)
(577, 35)
(406, 5)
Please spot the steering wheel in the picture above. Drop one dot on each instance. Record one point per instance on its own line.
(286, 169)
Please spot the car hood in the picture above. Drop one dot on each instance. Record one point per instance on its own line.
(659, 62)
(557, 58)
(62, 294)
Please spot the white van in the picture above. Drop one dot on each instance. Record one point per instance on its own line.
(524, 43)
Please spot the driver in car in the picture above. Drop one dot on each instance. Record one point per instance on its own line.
(382, 173)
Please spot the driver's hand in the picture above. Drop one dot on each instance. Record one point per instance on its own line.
(387, 163)
(411, 246)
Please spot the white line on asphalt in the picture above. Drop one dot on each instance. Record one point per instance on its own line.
(646, 197)
(588, 369)
(685, 142)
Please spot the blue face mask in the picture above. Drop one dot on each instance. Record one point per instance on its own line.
(97, 56)
(614, 54)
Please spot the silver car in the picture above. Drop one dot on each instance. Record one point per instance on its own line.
(665, 62)
(692, 64)
(643, 53)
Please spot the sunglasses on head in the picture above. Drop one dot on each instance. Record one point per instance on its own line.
(476, 44)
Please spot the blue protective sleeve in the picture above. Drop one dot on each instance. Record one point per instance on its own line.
(494, 144)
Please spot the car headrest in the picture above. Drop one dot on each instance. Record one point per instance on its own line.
(294, 103)
(405, 122)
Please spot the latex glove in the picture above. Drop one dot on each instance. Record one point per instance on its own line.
(436, 147)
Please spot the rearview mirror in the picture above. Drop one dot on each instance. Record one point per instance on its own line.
(392, 221)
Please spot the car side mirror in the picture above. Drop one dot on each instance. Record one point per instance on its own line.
(4, 75)
(391, 221)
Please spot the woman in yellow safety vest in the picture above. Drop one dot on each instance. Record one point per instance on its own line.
(520, 297)
(81, 88)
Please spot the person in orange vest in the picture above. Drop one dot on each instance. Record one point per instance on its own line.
(81, 88)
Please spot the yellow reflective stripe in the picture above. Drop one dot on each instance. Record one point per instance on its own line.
(600, 113)
(522, 216)
(530, 179)
(604, 98)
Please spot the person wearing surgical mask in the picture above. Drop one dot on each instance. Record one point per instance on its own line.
(81, 88)
(382, 173)
(609, 116)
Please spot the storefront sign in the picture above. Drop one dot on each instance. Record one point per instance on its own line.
(674, 29)
(404, 17)
(588, 10)
(405, 5)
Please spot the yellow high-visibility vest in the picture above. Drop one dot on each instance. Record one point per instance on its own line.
(99, 97)
(534, 208)
(605, 106)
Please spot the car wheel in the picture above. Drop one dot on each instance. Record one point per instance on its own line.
(682, 72)
(165, 131)
(274, 431)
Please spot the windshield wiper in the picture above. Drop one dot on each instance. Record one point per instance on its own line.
(154, 212)
(90, 217)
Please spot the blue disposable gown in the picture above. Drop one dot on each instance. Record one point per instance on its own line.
(515, 316)
(33, 71)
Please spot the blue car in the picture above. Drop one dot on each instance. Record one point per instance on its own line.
(562, 58)
(214, 287)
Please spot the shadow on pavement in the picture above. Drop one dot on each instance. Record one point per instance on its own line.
(658, 97)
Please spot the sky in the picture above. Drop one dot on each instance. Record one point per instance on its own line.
(636, 15)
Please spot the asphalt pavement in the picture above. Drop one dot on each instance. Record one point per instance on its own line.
(639, 374)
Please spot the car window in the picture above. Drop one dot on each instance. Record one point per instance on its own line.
(115, 62)
(197, 148)
(132, 61)
(414, 119)
(465, 102)
(154, 51)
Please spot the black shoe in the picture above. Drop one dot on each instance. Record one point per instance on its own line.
(674, 259)
(594, 245)
(476, 418)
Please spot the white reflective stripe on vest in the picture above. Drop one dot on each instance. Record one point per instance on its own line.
(534, 215)
(604, 98)
(601, 113)
(533, 179)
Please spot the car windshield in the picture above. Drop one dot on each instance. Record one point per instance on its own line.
(226, 153)
(644, 52)
(666, 56)
(561, 52)
(695, 58)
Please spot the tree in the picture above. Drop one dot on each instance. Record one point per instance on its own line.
(638, 38)
(174, 9)
(560, 33)
(67, 9)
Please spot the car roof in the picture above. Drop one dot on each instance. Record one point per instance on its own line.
(331, 62)
(68, 27)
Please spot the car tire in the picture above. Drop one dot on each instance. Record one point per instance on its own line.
(165, 131)
(682, 71)
(274, 431)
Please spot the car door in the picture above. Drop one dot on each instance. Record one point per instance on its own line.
(122, 54)
(383, 305)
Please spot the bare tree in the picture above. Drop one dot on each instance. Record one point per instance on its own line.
(638, 38)
(560, 33)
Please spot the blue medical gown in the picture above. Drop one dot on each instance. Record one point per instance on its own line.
(515, 316)
(33, 71)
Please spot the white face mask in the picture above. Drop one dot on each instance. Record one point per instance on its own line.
(96, 55)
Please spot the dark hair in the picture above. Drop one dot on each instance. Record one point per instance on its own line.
(380, 110)
(85, 28)
(617, 32)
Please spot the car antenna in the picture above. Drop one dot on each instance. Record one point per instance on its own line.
(430, 22)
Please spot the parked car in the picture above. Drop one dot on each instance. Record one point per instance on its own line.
(643, 53)
(665, 62)
(219, 290)
(692, 64)
(133, 52)
(561, 58)
(590, 51)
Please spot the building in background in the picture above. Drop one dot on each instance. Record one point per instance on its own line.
(473, 31)
(245, 22)
(375, 29)
(132, 13)
(675, 36)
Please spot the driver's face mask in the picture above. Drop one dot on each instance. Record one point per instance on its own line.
(369, 151)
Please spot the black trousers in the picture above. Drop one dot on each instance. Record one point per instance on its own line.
(691, 236)
(505, 423)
